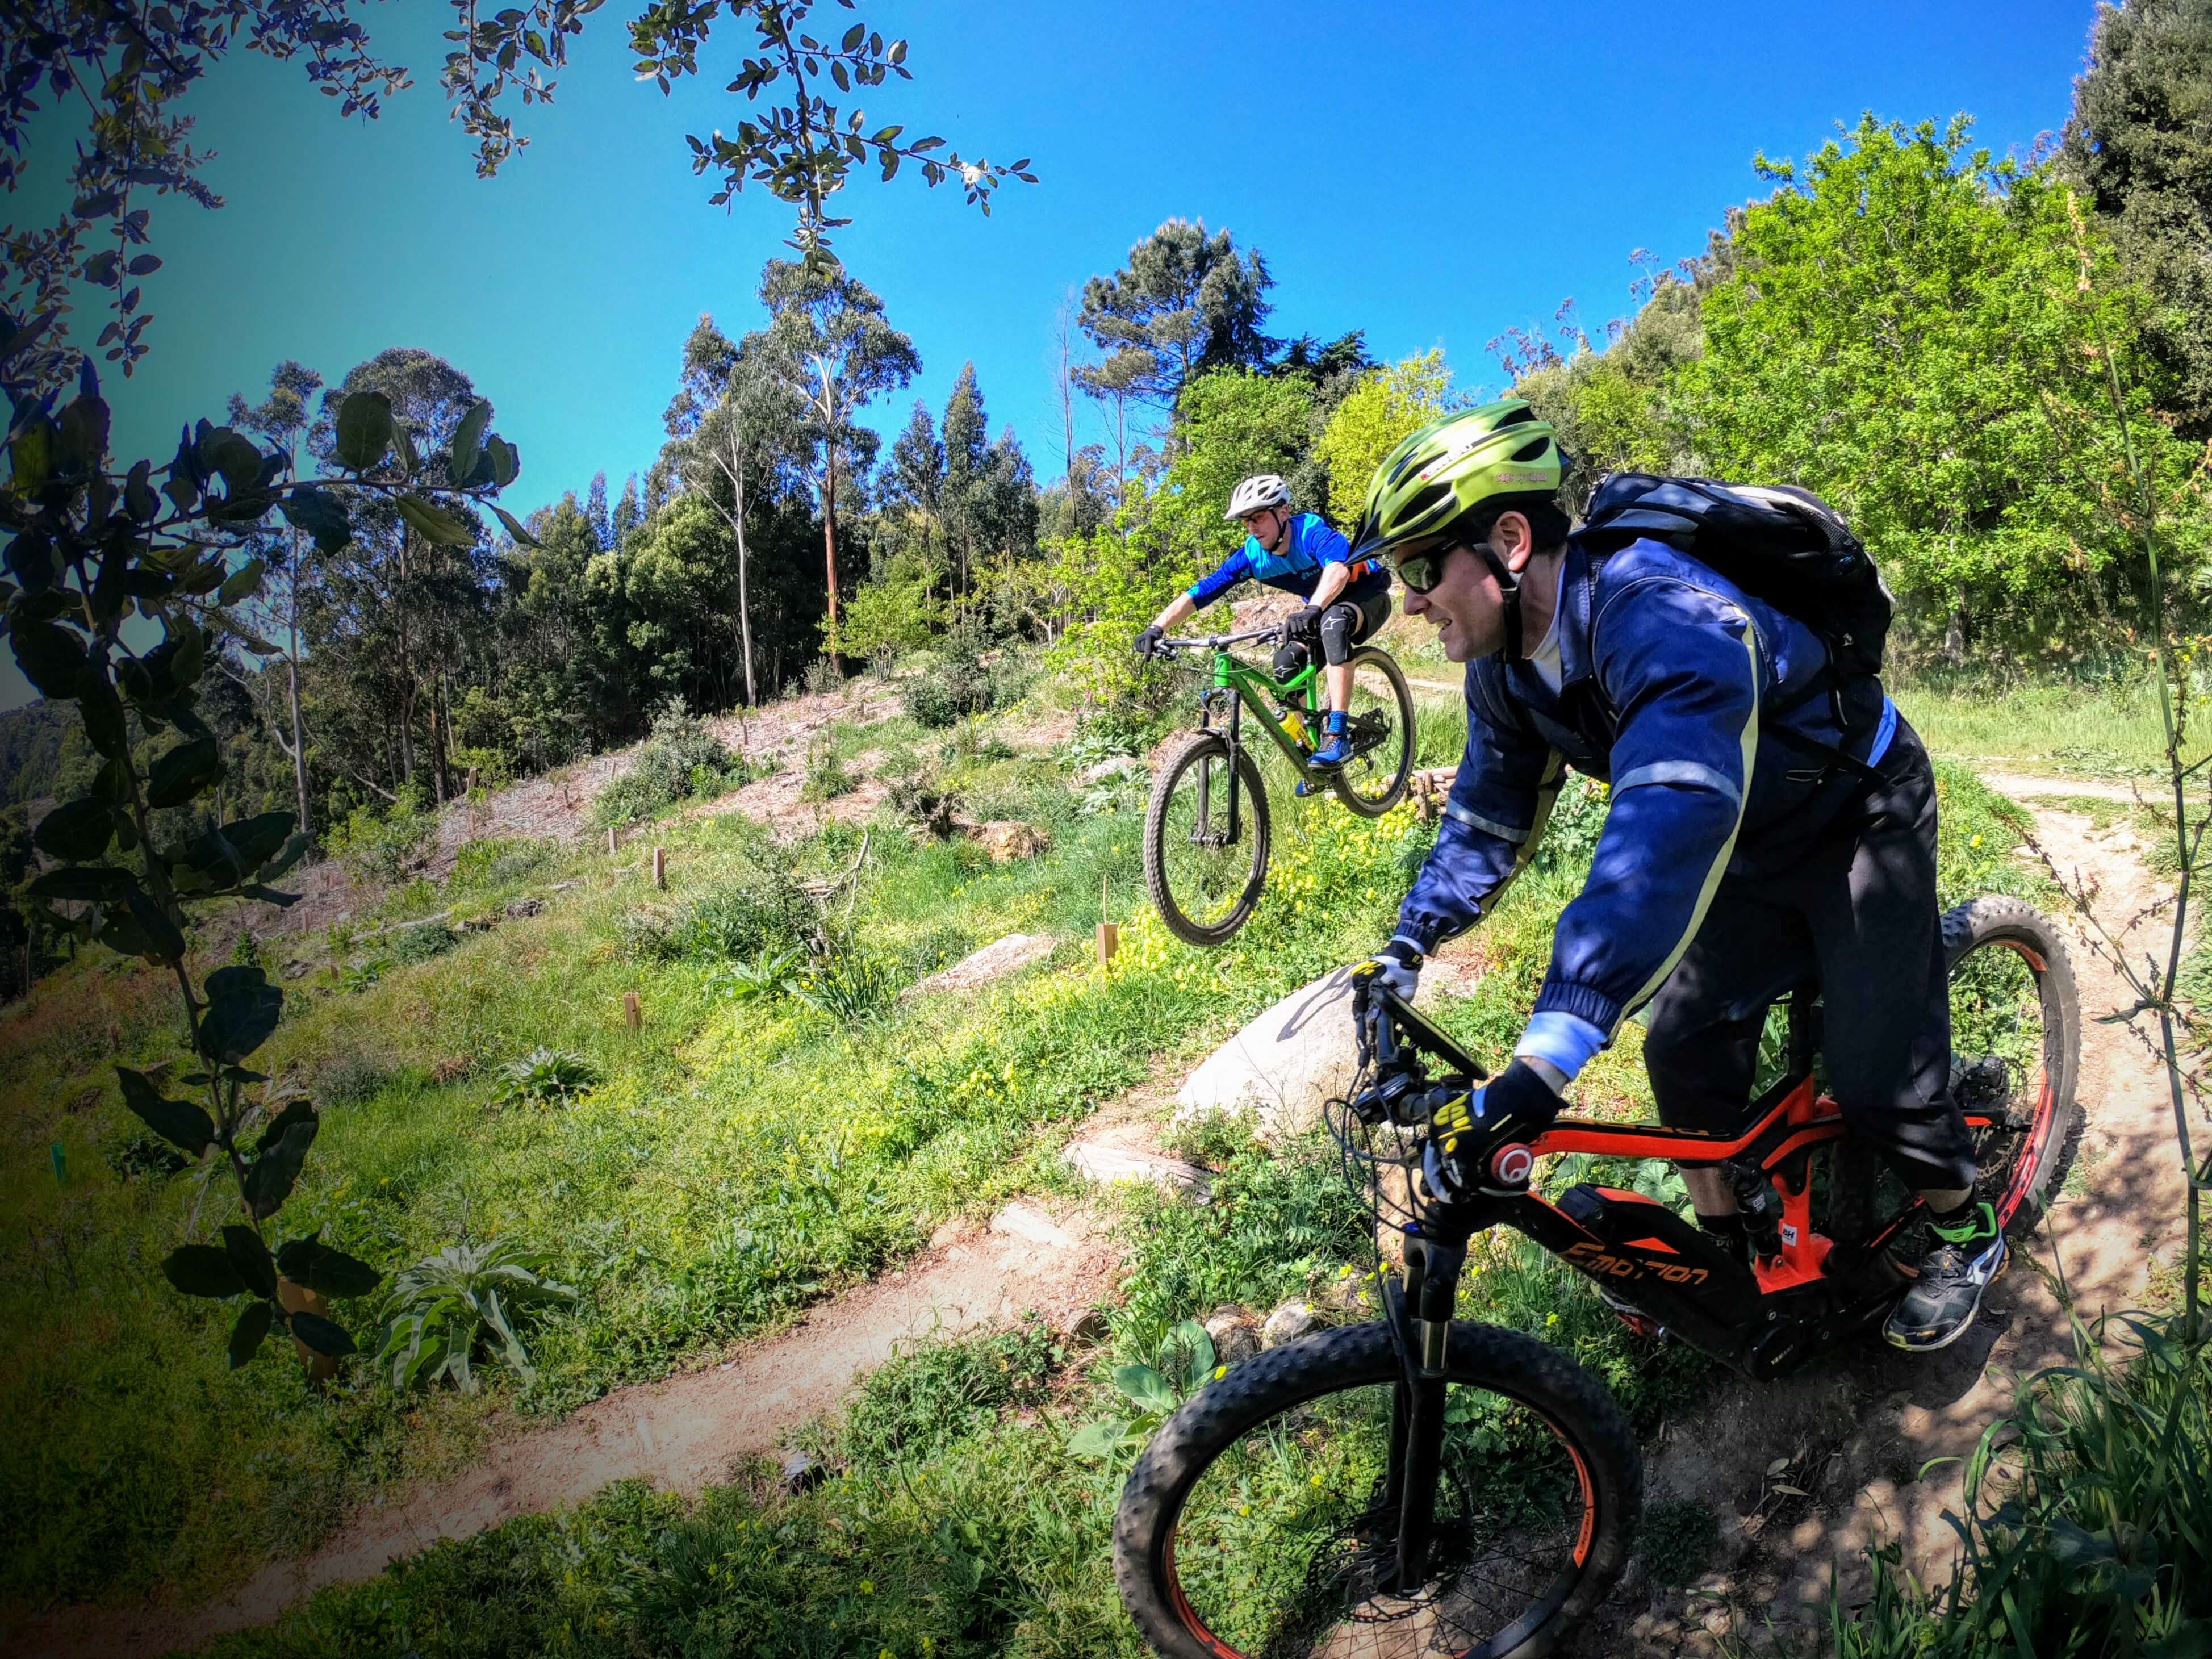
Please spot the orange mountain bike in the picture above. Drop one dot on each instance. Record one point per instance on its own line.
(1424, 1485)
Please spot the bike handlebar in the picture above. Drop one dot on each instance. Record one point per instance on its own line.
(1222, 641)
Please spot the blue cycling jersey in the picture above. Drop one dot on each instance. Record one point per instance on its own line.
(1308, 546)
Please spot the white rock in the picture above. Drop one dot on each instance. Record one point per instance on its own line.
(1287, 1324)
(1108, 1164)
(1283, 1065)
(994, 961)
(1021, 1219)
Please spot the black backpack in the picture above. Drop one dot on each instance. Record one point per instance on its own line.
(1778, 543)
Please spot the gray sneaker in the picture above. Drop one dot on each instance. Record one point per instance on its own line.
(1963, 1257)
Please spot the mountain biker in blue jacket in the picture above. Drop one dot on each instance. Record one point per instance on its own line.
(1736, 861)
(1348, 600)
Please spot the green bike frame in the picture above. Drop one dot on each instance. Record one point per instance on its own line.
(1237, 685)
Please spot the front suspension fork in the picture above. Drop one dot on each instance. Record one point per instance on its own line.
(1420, 1320)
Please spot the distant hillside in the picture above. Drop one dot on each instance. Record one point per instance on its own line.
(31, 750)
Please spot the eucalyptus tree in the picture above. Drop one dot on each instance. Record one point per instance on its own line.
(283, 420)
(400, 604)
(829, 345)
(2141, 142)
(734, 419)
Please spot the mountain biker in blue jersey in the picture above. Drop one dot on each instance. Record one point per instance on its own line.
(1348, 600)
(1754, 841)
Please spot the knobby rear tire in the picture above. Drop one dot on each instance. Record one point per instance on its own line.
(1348, 779)
(1255, 1395)
(1205, 748)
(1993, 922)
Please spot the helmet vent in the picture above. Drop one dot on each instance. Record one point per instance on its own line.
(1516, 415)
(1531, 452)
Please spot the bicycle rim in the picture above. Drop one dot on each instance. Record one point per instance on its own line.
(1287, 1543)
(1380, 722)
(1205, 882)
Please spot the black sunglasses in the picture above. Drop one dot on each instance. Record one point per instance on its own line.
(1422, 571)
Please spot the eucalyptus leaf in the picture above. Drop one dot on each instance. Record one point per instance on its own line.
(251, 1330)
(363, 435)
(468, 442)
(251, 1257)
(97, 884)
(78, 831)
(434, 523)
(179, 1122)
(243, 1009)
(270, 1179)
(321, 514)
(182, 772)
(324, 1336)
(201, 1270)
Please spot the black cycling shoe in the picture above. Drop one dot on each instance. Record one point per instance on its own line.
(1962, 1259)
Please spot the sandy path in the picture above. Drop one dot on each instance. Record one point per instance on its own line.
(1859, 1427)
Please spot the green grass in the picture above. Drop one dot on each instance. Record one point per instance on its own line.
(737, 1161)
(2105, 729)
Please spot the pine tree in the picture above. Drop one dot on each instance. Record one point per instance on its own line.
(626, 516)
(2140, 143)
(967, 452)
(595, 512)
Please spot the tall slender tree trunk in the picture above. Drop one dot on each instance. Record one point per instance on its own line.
(828, 406)
(292, 693)
(744, 603)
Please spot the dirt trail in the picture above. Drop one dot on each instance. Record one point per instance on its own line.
(681, 1434)
(1857, 1429)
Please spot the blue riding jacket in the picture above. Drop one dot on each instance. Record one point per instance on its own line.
(1308, 546)
(1673, 683)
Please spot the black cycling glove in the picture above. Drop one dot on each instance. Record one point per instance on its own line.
(1148, 642)
(1305, 623)
(1514, 1105)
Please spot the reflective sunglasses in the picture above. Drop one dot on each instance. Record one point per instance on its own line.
(1422, 571)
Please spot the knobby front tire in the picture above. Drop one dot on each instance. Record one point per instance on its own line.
(1252, 1525)
(1203, 884)
(1374, 782)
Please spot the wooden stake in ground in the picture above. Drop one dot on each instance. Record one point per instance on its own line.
(610, 841)
(660, 868)
(1109, 935)
(633, 1010)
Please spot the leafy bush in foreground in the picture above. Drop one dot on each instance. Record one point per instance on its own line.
(547, 1077)
(681, 758)
(442, 1308)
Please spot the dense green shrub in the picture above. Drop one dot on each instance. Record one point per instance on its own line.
(413, 944)
(764, 910)
(383, 843)
(939, 1392)
(681, 759)
(957, 684)
(491, 860)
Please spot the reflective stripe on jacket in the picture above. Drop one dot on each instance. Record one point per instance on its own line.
(1667, 669)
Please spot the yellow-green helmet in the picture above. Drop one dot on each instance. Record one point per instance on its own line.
(1440, 475)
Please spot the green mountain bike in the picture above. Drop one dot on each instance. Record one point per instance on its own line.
(1206, 828)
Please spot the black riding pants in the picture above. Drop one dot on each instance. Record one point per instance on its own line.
(1859, 916)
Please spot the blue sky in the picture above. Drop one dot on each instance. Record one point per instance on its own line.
(1430, 173)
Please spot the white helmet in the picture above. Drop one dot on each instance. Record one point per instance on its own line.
(1257, 494)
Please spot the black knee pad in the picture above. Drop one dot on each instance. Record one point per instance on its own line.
(1290, 658)
(1338, 624)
